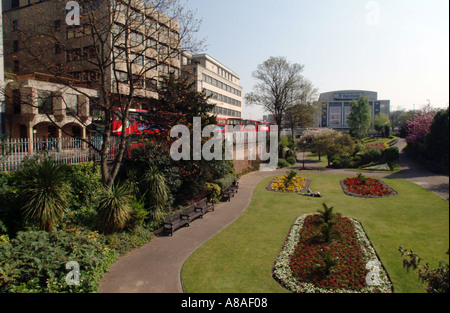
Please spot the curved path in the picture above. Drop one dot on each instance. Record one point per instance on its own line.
(156, 267)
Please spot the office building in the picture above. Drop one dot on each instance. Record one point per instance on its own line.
(337, 107)
(217, 81)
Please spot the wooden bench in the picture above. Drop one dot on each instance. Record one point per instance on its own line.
(175, 221)
(204, 206)
(191, 213)
(229, 192)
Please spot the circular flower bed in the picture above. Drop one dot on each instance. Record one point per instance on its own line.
(357, 268)
(366, 187)
(282, 184)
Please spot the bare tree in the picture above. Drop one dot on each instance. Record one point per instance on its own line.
(120, 48)
(277, 82)
(301, 113)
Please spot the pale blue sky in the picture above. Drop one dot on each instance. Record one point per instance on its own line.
(402, 52)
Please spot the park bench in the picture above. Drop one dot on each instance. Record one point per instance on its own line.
(229, 192)
(204, 207)
(175, 221)
(191, 213)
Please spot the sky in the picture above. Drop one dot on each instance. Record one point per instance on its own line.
(398, 48)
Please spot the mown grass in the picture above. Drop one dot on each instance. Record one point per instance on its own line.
(240, 258)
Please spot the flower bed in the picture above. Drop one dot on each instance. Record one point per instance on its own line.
(358, 268)
(298, 184)
(366, 187)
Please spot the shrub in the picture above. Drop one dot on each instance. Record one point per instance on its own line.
(283, 163)
(212, 191)
(291, 160)
(226, 181)
(371, 155)
(36, 261)
(44, 192)
(391, 154)
(114, 209)
(123, 242)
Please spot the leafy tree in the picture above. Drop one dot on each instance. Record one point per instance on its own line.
(335, 143)
(359, 118)
(382, 124)
(437, 140)
(419, 126)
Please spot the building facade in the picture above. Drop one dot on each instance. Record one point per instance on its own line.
(337, 107)
(63, 81)
(216, 80)
(127, 42)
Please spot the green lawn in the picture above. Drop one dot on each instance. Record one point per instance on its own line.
(240, 258)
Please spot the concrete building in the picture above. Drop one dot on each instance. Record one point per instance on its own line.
(152, 42)
(64, 80)
(217, 81)
(31, 97)
(336, 107)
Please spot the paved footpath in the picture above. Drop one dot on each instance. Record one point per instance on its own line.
(156, 267)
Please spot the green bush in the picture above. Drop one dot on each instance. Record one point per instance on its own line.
(212, 191)
(35, 262)
(123, 242)
(291, 160)
(283, 163)
(226, 181)
(371, 155)
(391, 154)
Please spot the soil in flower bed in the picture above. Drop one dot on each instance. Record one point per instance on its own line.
(362, 186)
(349, 273)
(298, 184)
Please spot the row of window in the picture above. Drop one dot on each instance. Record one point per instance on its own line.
(222, 98)
(45, 102)
(219, 84)
(225, 74)
(228, 112)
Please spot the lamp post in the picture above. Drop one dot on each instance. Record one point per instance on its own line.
(304, 145)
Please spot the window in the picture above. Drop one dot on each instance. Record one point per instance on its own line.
(15, 25)
(73, 55)
(150, 43)
(136, 37)
(16, 66)
(71, 102)
(57, 48)
(45, 102)
(15, 4)
(16, 101)
(57, 25)
(15, 45)
(335, 115)
(122, 76)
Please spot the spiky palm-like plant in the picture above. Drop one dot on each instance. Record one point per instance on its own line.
(157, 192)
(44, 192)
(114, 208)
(326, 215)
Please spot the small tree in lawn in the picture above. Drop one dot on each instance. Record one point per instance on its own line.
(359, 118)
